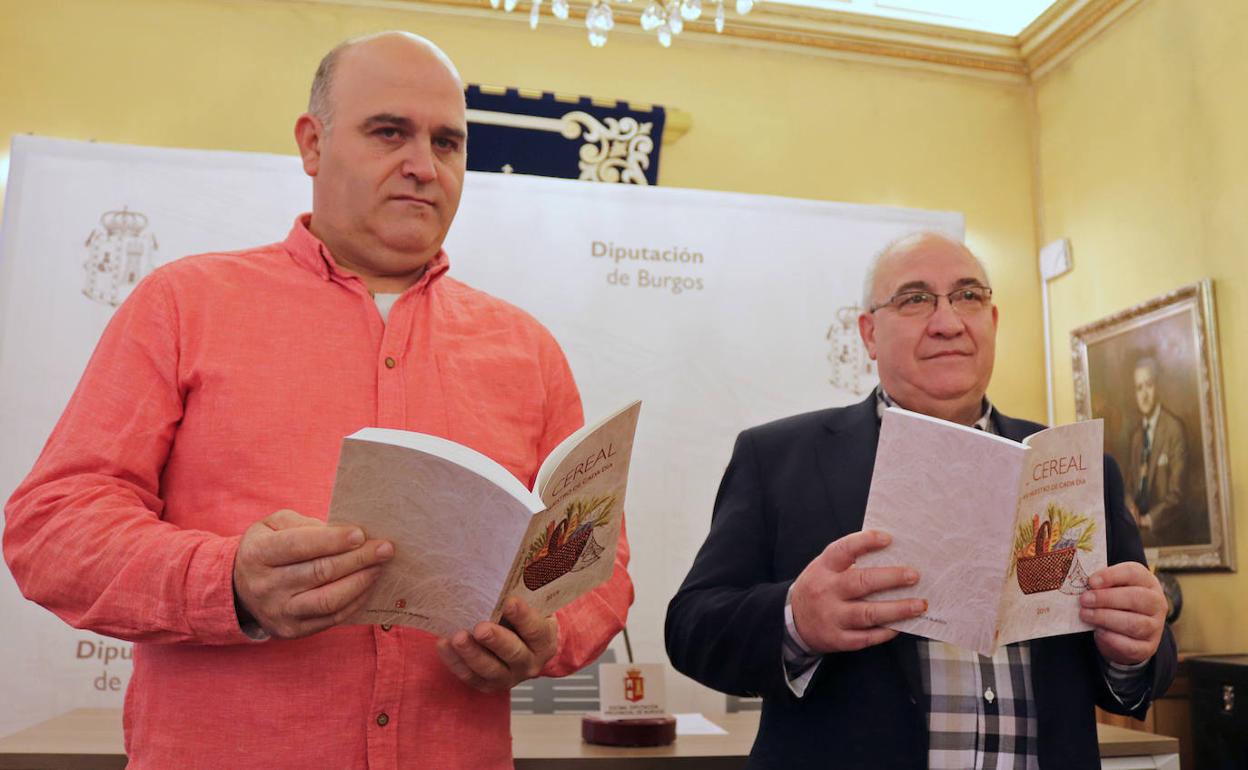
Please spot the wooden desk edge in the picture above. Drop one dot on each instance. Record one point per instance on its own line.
(97, 733)
(1124, 742)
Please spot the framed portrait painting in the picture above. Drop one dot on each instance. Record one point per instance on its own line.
(1152, 373)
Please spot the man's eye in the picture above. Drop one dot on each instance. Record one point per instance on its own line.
(917, 298)
(388, 132)
(444, 143)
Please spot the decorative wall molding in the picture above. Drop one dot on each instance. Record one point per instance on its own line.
(1064, 28)
(1025, 58)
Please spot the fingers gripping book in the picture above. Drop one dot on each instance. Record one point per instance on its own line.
(1004, 534)
(467, 534)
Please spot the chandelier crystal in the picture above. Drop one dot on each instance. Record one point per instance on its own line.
(665, 18)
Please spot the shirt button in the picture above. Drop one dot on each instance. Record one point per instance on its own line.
(389, 362)
(989, 695)
(383, 719)
(386, 626)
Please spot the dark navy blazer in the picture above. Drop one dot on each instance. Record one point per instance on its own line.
(792, 487)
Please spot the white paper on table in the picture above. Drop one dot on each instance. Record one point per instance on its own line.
(697, 724)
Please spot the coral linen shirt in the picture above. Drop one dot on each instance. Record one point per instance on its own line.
(220, 393)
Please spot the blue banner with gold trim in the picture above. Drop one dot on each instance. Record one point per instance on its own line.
(546, 134)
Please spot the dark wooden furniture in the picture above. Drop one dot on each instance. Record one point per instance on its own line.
(1220, 711)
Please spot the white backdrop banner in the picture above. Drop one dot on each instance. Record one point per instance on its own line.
(719, 310)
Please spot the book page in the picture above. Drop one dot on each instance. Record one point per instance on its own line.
(558, 456)
(947, 495)
(570, 547)
(1059, 532)
(453, 532)
(469, 458)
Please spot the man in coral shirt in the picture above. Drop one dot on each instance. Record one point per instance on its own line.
(180, 501)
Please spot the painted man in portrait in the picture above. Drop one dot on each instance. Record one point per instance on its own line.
(1155, 472)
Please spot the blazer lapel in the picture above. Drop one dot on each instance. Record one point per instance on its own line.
(847, 460)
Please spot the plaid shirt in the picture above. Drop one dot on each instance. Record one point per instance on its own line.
(981, 713)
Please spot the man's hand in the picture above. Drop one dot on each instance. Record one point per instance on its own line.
(297, 575)
(827, 598)
(494, 658)
(1128, 609)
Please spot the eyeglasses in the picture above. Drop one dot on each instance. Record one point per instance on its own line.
(965, 300)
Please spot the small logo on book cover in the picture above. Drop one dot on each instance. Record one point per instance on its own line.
(400, 604)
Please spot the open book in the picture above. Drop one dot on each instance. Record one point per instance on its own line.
(1004, 534)
(467, 534)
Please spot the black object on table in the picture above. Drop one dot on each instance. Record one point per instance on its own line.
(1219, 711)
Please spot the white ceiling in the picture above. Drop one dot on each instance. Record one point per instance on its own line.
(1004, 17)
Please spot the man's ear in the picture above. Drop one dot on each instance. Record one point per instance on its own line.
(309, 133)
(866, 330)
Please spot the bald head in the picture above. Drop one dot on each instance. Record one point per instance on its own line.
(387, 178)
(320, 99)
(907, 245)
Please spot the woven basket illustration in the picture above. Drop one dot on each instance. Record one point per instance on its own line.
(1044, 572)
(558, 562)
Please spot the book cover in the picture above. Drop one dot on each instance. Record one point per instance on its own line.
(467, 534)
(1003, 533)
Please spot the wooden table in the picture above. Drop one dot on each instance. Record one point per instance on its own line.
(553, 742)
(90, 739)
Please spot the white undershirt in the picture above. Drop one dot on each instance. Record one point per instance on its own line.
(384, 303)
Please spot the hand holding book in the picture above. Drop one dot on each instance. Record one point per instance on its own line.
(494, 657)
(1127, 610)
(1005, 533)
(468, 535)
(295, 576)
(832, 603)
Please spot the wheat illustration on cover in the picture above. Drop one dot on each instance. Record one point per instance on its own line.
(1046, 551)
(568, 544)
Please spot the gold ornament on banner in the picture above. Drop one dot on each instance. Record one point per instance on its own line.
(618, 151)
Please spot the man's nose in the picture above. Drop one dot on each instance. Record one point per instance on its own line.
(944, 320)
(418, 162)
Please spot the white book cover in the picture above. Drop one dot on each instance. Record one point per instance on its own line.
(467, 534)
(1003, 533)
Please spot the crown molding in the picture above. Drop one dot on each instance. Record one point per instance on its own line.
(1024, 58)
(1064, 28)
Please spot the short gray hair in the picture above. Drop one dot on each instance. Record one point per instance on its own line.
(868, 283)
(319, 105)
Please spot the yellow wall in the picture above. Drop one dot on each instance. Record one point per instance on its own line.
(1144, 166)
(1138, 153)
(1138, 149)
(234, 75)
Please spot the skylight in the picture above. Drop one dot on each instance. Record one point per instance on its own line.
(1003, 17)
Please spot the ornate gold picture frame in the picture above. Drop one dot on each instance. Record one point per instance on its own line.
(1152, 373)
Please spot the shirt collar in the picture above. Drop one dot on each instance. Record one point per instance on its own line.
(984, 423)
(310, 253)
(1150, 422)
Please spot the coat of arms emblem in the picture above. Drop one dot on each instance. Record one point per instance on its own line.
(119, 254)
(634, 685)
(852, 367)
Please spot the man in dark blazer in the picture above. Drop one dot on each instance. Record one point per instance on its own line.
(774, 606)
